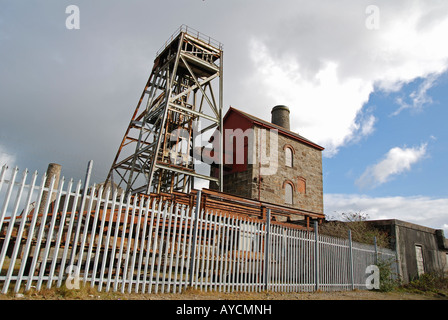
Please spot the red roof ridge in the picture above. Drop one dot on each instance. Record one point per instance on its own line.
(282, 130)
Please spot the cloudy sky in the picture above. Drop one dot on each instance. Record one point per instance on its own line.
(366, 80)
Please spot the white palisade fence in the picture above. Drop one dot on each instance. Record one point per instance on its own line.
(58, 234)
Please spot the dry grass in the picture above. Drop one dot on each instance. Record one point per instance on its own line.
(88, 293)
(360, 228)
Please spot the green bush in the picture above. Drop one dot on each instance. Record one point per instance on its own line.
(429, 282)
(388, 277)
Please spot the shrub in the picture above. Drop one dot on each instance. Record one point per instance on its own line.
(388, 277)
(429, 282)
(361, 230)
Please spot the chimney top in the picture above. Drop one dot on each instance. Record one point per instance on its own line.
(280, 116)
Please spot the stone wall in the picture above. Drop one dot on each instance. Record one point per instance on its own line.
(305, 175)
(240, 183)
(267, 183)
(405, 236)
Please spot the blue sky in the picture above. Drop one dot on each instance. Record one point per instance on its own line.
(421, 130)
(411, 128)
(369, 86)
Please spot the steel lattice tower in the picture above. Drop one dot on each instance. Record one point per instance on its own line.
(159, 151)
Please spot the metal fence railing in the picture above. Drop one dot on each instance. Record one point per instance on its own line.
(194, 33)
(54, 234)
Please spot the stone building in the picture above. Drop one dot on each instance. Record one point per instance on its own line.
(266, 161)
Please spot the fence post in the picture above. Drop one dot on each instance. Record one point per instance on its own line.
(195, 235)
(8, 196)
(352, 279)
(81, 209)
(376, 250)
(266, 249)
(316, 255)
(2, 175)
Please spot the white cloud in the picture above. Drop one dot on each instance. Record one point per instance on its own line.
(314, 104)
(397, 160)
(426, 211)
(6, 158)
(325, 68)
(419, 97)
(445, 229)
(363, 126)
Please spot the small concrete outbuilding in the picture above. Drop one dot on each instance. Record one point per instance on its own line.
(419, 249)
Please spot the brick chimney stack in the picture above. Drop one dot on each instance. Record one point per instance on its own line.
(280, 116)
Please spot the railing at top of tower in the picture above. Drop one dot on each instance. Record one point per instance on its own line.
(194, 33)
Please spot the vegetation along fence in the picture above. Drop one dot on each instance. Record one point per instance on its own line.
(54, 233)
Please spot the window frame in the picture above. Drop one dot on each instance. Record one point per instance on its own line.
(289, 148)
(291, 185)
(420, 260)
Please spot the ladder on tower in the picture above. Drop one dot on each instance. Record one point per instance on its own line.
(179, 110)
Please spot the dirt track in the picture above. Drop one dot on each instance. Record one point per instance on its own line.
(345, 295)
(198, 295)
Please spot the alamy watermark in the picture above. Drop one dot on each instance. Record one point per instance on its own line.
(72, 281)
(255, 146)
(373, 17)
(73, 20)
(372, 21)
(373, 278)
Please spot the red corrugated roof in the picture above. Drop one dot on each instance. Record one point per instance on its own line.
(270, 125)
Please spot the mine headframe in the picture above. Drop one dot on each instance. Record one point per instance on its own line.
(165, 146)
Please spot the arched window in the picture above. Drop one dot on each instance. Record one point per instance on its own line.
(288, 156)
(288, 193)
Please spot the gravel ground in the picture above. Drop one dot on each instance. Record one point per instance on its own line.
(195, 304)
(198, 295)
(342, 295)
